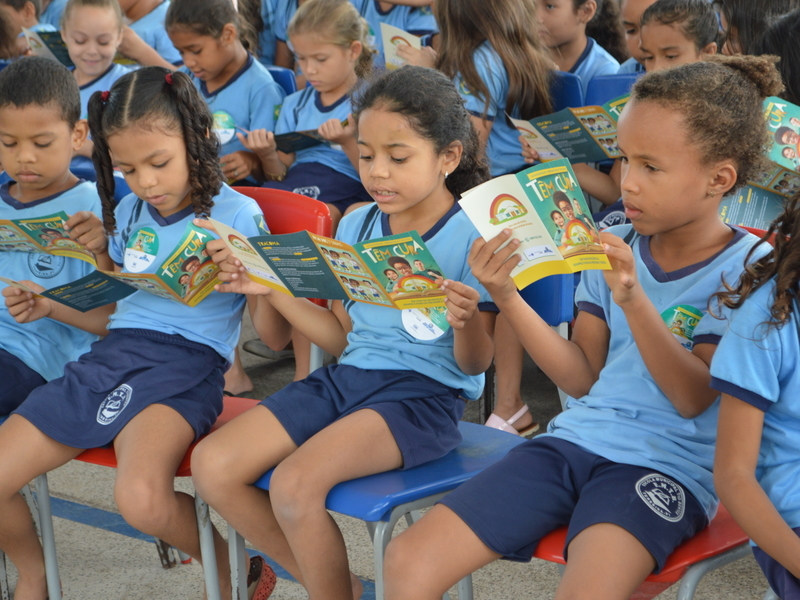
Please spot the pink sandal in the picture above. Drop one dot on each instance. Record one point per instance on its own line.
(500, 423)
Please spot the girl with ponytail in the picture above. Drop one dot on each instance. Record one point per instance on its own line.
(154, 384)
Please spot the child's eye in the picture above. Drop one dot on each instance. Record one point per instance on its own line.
(630, 32)
(128, 172)
(651, 168)
(672, 56)
(47, 145)
(9, 145)
(399, 161)
(161, 166)
(364, 157)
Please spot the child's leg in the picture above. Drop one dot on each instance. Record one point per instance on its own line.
(357, 445)
(302, 354)
(606, 562)
(228, 462)
(432, 556)
(237, 381)
(25, 453)
(149, 450)
(508, 367)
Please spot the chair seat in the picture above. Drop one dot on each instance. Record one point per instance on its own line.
(231, 408)
(372, 498)
(721, 535)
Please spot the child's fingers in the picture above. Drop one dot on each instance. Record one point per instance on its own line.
(460, 292)
(205, 224)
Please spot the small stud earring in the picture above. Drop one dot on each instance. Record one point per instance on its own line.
(712, 194)
(446, 173)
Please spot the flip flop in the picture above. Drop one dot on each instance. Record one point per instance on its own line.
(500, 423)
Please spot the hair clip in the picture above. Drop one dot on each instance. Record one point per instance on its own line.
(104, 96)
(168, 78)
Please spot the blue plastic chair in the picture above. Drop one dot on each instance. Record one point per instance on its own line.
(603, 88)
(381, 500)
(283, 77)
(566, 91)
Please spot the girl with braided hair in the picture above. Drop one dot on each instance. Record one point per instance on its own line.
(154, 384)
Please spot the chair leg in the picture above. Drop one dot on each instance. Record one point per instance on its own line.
(697, 571)
(48, 538)
(236, 551)
(768, 595)
(5, 593)
(207, 552)
(316, 358)
(30, 499)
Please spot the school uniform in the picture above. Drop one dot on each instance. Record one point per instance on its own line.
(631, 66)
(249, 100)
(52, 14)
(284, 11)
(622, 453)
(266, 37)
(503, 148)
(100, 84)
(322, 172)
(760, 365)
(397, 363)
(157, 350)
(407, 18)
(33, 353)
(151, 29)
(594, 61)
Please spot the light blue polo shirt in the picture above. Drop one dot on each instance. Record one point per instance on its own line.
(625, 417)
(52, 14)
(760, 365)
(101, 84)
(593, 62)
(151, 29)
(266, 37)
(387, 338)
(216, 320)
(45, 345)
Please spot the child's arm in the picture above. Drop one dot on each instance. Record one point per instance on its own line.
(333, 131)
(26, 308)
(735, 460)
(137, 49)
(272, 328)
(472, 345)
(242, 164)
(683, 376)
(573, 365)
(261, 143)
(284, 57)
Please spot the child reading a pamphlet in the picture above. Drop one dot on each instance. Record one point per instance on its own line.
(239, 90)
(627, 467)
(329, 40)
(395, 398)
(153, 384)
(755, 467)
(39, 104)
(677, 32)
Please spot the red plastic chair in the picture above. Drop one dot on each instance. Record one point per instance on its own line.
(719, 544)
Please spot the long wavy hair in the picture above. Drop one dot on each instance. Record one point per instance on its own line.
(510, 28)
(146, 98)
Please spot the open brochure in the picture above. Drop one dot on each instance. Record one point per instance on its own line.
(758, 203)
(187, 276)
(585, 134)
(49, 44)
(396, 271)
(295, 141)
(44, 235)
(548, 214)
(393, 38)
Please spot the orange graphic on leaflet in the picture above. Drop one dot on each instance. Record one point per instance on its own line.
(397, 40)
(415, 285)
(505, 208)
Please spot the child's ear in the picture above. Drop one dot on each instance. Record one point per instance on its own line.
(452, 156)
(586, 11)
(229, 34)
(355, 50)
(80, 133)
(709, 49)
(29, 11)
(723, 178)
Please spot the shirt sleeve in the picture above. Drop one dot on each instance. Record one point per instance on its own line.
(286, 121)
(491, 70)
(265, 102)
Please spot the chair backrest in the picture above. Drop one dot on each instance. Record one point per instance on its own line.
(287, 212)
(283, 77)
(566, 91)
(552, 298)
(603, 88)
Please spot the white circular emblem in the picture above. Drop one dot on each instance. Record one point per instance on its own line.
(420, 325)
(664, 497)
(114, 404)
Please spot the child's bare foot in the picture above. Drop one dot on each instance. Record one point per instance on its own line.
(358, 587)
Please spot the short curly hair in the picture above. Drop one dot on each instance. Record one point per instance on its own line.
(148, 98)
(721, 103)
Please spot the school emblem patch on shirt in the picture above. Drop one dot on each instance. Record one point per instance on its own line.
(141, 251)
(681, 321)
(114, 404)
(664, 497)
(45, 266)
(224, 126)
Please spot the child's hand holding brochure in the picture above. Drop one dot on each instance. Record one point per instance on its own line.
(45, 235)
(548, 214)
(393, 38)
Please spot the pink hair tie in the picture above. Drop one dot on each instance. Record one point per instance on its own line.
(168, 77)
(104, 96)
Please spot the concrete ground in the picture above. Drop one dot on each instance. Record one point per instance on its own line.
(101, 557)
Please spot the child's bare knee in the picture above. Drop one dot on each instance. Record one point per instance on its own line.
(211, 468)
(143, 505)
(293, 493)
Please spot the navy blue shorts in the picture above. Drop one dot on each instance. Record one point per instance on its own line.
(782, 582)
(19, 380)
(546, 483)
(421, 413)
(322, 183)
(120, 376)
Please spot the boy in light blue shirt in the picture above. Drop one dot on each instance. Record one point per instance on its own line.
(51, 12)
(594, 61)
(150, 27)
